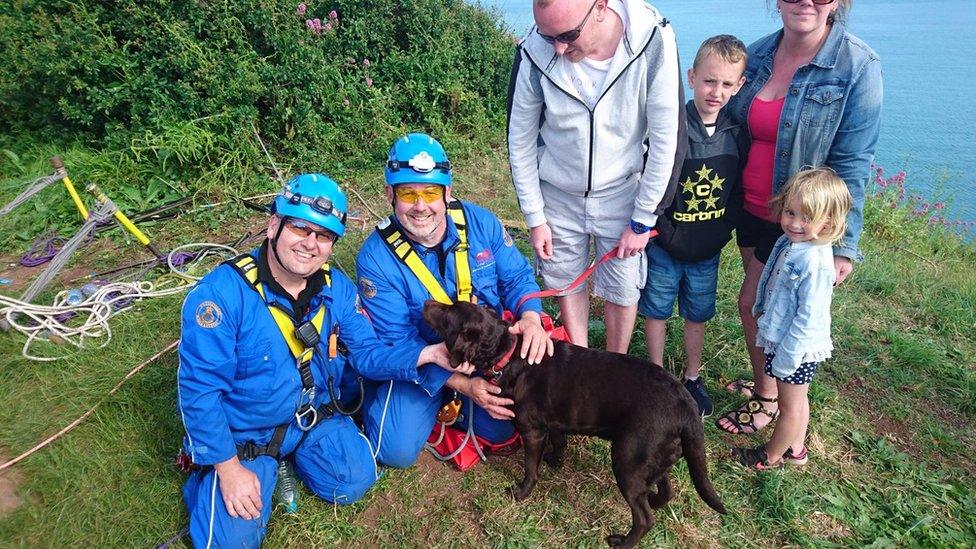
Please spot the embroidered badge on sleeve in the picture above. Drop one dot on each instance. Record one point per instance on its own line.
(367, 287)
(208, 315)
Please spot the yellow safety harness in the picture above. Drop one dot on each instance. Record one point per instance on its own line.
(401, 248)
(306, 415)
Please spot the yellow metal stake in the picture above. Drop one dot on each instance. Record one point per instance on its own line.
(59, 170)
(122, 219)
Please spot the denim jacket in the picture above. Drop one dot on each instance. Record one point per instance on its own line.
(831, 116)
(795, 321)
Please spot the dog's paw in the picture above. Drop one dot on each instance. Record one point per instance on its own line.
(614, 540)
(518, 492)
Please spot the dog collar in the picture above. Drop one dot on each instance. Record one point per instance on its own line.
(496, 371)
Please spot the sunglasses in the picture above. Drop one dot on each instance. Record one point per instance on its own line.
(301, 229)
(570, 36)
(817, 2)
(429, 194)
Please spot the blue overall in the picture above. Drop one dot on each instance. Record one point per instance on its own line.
(398, 416)
(237, 381)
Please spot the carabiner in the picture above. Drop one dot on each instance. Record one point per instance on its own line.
(300, 418)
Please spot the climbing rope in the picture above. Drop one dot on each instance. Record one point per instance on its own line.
(33, 188)
(81, 318)
(102, 212)
(42, 250)
(192, 265)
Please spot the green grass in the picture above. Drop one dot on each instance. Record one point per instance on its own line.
(891, 434)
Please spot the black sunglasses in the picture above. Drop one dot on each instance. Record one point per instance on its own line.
(302, 229)
(570, 36)
(817, 2)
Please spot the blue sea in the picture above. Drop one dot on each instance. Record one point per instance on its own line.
(926, 49)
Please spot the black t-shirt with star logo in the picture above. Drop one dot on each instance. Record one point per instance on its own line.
(707, 204)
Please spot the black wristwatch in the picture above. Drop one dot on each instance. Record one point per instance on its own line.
(638, 228)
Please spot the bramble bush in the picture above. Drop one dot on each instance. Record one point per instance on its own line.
(328, 83)
(897, 215)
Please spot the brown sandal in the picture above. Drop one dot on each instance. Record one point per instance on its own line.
(745, 417)
(744, 387)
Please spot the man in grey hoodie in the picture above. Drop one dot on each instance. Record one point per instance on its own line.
(593, 136)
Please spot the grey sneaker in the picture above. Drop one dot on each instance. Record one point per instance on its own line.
(698, 392)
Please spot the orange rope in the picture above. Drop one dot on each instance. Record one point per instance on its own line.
(75, 423)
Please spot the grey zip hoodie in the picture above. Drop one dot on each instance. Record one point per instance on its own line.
(630, 137)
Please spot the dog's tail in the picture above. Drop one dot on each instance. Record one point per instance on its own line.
(693, 448)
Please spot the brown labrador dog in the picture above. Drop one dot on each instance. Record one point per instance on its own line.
(649, 418)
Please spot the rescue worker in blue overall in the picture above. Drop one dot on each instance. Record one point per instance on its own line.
(266, 337)
(451, 250)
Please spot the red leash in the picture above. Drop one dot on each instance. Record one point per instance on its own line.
(559, 292)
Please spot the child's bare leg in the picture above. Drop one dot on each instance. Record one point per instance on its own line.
(694, 341)
(800, 441)
(794, 416)
(765, 385)
(655, 332)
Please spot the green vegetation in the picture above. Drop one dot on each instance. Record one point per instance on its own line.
(893, 412)
(156, 99)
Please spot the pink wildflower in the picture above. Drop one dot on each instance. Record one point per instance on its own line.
(309, 24)
(327, 27)
(302, 8)
(369, 82)
(938, 205)
(365, 62)
(333, 15)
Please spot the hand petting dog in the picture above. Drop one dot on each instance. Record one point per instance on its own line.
(536, 342)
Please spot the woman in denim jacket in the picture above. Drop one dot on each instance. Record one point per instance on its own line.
(812, 98)
(793, 305)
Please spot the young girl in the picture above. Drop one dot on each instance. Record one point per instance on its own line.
(793, 306)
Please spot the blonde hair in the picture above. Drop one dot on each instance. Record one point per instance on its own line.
(823, 197)
(729, 48)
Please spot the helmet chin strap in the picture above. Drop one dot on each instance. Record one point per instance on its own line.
(274, 247)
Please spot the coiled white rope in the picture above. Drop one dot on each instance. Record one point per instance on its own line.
(85, 324)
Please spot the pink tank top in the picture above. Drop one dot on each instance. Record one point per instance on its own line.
(757, 176)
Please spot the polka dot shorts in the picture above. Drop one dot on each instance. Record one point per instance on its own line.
(802, 376)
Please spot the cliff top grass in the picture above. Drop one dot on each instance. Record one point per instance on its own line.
(891, 433)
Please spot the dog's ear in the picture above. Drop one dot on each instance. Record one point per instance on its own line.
(482, 339)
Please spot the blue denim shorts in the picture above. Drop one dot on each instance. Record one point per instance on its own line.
(693, 284)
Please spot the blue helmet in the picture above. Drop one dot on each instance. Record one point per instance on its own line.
(418, 158)
(316, 198)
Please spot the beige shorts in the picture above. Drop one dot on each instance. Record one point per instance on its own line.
(575, 222)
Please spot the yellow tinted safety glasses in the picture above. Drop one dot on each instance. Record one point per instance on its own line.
(429, 194)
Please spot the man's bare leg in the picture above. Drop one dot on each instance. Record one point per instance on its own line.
(574, 310)
(619, 320)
